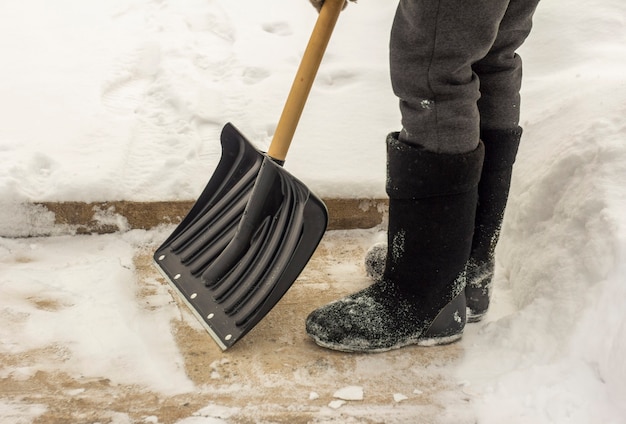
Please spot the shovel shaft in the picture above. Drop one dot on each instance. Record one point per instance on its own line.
(304, 79)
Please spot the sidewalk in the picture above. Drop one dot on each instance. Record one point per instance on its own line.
(274, 375)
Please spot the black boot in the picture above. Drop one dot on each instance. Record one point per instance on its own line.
(493, 190)
(419, 298)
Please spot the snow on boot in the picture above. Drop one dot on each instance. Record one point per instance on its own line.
(493, 190)
(419, 298)
(375, 259)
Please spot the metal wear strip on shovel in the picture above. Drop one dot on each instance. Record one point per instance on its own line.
(255, 226)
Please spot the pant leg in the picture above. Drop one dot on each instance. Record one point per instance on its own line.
(500, 71)
(433, 45)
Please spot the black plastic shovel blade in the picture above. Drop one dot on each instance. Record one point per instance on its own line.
(244, 242)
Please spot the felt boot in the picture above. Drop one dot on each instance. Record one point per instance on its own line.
(419, 298)
(493, 190)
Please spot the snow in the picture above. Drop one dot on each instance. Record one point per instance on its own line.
(349, 393)
(211, 414)
(45, 301)
(135, 104)
(125, 99)
(17, 413)
(399, 397)
(336, 404)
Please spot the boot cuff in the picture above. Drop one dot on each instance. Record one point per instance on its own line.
(414, 173)
(500, 147)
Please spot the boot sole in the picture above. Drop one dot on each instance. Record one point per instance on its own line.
(474, 317)
(422, 342)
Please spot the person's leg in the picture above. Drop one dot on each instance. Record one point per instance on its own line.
(500, 74)
(434, 44)
(500, 70)
(433, 169)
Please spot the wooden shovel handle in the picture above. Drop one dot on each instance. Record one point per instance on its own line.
(304, 79)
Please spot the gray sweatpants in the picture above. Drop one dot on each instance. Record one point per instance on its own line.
(455, 70)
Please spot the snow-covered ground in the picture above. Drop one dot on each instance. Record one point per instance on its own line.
(125, 99)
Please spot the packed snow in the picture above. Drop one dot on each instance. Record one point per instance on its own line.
(125, 99)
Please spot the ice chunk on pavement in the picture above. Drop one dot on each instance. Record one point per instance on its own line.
(399, 397)
(349, 393)
(336, 404)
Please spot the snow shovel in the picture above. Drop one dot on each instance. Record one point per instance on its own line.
(255, 226)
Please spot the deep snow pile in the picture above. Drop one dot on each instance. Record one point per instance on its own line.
(125, 100)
